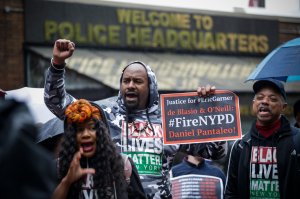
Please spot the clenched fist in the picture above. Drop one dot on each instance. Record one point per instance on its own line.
(62, 50)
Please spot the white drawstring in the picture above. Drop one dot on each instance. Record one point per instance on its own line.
(115, 191)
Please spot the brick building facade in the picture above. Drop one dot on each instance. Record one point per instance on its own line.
(11, 44)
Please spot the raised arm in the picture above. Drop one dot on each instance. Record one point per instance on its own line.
(55, 96)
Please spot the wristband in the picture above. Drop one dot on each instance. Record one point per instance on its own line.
(53, 64)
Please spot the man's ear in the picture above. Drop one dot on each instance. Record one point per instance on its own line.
(252, 107)
(284, 106)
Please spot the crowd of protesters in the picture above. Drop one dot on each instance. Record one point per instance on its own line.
(100, 153)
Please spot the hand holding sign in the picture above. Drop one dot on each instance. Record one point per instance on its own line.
(206, 91)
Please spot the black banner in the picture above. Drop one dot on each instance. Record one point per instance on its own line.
(132, 28)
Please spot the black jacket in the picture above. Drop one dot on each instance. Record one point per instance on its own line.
(135, 188)
(238, 185)
(25, 168)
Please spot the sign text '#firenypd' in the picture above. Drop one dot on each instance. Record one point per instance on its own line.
(188, 118)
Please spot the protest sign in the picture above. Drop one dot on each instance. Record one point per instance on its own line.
(196, 186)
(188, 118)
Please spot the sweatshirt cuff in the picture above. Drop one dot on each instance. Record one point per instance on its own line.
(57, 68)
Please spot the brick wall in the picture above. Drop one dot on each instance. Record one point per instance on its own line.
(11, 44)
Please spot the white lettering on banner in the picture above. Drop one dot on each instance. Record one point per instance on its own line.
(144, 147)
(263, 171)
(263, 163)
(145, 133)
(264, 185)
(151, 167)
(157, 130)
(146, 142)
(204, 120)
(158, 145)
(88, 195)
(148, 145)
(263, 155)
(175, 102)
(215, 99)
(145, 158)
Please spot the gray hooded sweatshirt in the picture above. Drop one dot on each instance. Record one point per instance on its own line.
(137, 134)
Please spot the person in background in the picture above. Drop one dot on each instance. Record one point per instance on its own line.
(50, 136)
(134, 118)
(89, 165)
(265, 162)
(26, 170)
(296, 110)
(195, 176)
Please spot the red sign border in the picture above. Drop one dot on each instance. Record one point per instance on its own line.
(187, 94)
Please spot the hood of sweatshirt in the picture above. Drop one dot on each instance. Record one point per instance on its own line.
(153, 91)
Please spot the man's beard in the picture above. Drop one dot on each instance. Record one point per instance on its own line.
(131, 106)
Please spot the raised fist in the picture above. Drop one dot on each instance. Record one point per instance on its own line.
(62, 50)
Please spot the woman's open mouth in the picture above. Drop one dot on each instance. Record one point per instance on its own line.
(87, 147)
